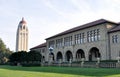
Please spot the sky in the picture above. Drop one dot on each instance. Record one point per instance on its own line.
(46, 18)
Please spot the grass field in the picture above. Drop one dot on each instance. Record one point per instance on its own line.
(18, 71)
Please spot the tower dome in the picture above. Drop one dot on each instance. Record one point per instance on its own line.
(22, 21)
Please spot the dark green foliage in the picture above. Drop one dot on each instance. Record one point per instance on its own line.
(25, 58)
(109, 61)
(34, 56)
(4, 52)
(18, 57)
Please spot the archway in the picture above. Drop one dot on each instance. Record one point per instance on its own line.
(94, 54)
(59, 56)
(68, 55)
(80, 54)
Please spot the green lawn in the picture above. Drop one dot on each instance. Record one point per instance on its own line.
(18, 71)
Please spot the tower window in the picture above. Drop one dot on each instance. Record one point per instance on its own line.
(23, 27)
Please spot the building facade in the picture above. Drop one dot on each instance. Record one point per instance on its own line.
(22, 36)
(97, 39)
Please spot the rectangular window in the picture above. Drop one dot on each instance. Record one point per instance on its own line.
(88, 36)
(115, 38)
(75, 39)
(68, 41)
(80, 38)
(93, 35)
(112, 39)
(59, 43)
(98, 34)
(52, 43)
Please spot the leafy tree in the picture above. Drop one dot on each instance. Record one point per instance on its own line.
(4, 52)
(34, 56)
(23, 56)
(18, 56)
(2, 46)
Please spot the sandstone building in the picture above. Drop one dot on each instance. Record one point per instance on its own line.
(97, 39)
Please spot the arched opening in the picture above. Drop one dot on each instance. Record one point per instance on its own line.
(59, 56)
(68, 56)
(94, 54)
(80, 54)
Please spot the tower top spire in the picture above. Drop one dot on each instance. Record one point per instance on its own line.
(22, 18)
(22, 21)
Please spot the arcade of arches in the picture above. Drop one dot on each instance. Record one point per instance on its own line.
(93, 54)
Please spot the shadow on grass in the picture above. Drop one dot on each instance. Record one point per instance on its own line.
(68, 70)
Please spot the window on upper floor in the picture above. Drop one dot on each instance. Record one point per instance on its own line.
(51, 44)
(59, 43)
(115, 39)
(98, 34)
(79, 38)
(93, 35)
(68, 41)
(24, 27)
(88, 36)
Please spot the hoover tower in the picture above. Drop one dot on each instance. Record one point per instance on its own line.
(22, 36)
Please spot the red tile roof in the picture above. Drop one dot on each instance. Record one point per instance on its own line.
(115, 29)
(91, 24)
(39, 46)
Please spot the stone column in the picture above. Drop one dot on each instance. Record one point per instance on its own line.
(74, 56)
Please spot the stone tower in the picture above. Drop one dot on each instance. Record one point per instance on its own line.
(22, 36)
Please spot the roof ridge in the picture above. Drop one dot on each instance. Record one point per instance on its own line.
(114, 29)
(39, 46)
(89, 24)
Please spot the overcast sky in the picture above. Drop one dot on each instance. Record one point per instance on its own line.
(46, 18)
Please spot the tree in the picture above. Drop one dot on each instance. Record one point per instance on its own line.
(34, 56)
(2, 46)
(18, 57)
(26, 58)
(4, 52)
